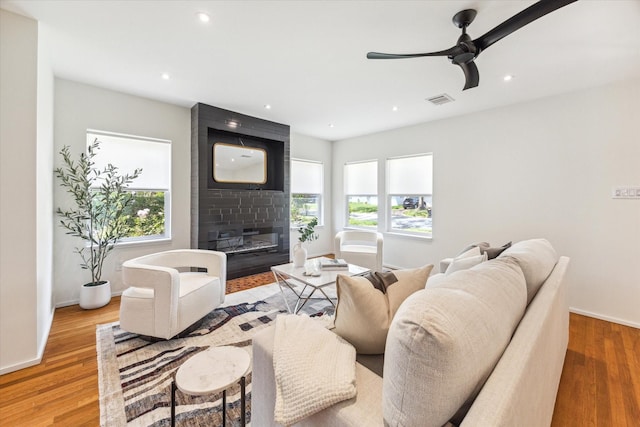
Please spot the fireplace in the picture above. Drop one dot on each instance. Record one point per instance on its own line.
(250, 223)
(240, 240)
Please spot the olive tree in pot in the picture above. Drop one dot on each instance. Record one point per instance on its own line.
(100, 198)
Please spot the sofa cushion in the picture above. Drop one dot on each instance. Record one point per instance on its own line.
(444, 342)
(367, 304)
(536, 258)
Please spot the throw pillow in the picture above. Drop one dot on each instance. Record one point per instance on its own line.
(494, 252)
(465, 263)
(367, 304)
(479, 245)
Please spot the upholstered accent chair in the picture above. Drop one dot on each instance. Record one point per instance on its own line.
(360, 247)
(167, 291)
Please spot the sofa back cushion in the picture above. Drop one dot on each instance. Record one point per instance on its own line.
(536, 258)
(444, 342)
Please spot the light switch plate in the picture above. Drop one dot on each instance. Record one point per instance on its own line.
(625, 192)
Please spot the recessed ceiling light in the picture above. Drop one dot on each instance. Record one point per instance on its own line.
(508, 78)
(331, 125)
(166, 76)
(203, 17)
(267, 106)
(394, 108)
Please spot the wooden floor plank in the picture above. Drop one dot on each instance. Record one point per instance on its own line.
(600, 384)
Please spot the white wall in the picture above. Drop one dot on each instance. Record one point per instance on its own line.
(25, 219)
(44, 189)
(309, 148)
(79, 107)
(537, 169)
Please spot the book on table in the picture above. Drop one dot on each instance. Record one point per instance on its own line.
(334, 264)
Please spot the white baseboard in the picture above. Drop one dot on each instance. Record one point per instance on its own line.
(603, 317)
(77, 301)
(41, 346)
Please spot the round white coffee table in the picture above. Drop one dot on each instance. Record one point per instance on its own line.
(211, 371)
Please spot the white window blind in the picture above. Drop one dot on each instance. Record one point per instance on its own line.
(130, 152)
(306, 177)
(411, 175)
(361, 178)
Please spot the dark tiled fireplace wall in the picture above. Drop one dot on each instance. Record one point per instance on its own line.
(231, 212)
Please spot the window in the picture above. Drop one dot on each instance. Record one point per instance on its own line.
(410, 187)
(361, 180)
(307, 179)
(147, 217)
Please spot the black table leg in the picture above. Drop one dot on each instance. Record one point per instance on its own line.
(224, 408)
(242, 401)
(173, 403)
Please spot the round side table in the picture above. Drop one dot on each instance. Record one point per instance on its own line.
(211, 371)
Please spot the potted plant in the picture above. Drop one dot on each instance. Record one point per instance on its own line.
(100, 198)
(307, 233)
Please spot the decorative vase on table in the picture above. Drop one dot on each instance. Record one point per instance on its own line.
(299, 255)
(95, 296)
(307, 234)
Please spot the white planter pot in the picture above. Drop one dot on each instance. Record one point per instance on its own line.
(95, 296)
(299, 255)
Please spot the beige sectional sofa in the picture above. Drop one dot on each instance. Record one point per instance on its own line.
(479, 347)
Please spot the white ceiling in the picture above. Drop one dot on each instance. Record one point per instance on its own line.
(307, 58)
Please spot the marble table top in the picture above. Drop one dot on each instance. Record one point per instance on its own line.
(212, 370)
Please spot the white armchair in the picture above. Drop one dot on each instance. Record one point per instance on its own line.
(161, 301)
(363, 248)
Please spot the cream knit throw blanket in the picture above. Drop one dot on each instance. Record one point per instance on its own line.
(314, 368)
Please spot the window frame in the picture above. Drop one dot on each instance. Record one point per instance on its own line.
(319, 196)
(374, 194)
(391, 195)
(167, 235)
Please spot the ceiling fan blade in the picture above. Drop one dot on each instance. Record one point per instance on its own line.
(379, 55)
(471, 75)
(530, 14)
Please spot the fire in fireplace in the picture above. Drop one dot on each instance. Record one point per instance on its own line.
(244, 240)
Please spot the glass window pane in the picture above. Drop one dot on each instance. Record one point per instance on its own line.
(363, 211)
(411, 213)
(305, 207)
(145, 216)
(361, 178)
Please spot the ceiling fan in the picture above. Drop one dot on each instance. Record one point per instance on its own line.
(466, 50)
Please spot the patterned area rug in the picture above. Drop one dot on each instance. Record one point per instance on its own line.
(135, 375)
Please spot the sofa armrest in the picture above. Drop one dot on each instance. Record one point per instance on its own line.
(524, 384)
(364, 409)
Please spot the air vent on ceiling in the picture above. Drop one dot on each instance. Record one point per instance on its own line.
(440, 99)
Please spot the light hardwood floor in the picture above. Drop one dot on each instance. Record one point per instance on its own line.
(600, 383)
